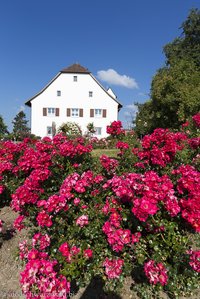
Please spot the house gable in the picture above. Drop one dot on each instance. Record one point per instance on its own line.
(73, 95)
(74, 69)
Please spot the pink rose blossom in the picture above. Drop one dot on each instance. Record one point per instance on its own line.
(113, 268)
(82, 220)
(156, 273)
(88, 253)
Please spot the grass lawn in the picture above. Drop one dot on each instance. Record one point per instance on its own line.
(108, 152)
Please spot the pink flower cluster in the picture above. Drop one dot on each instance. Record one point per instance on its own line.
(109, 164)
(82, 220)
(195, 260)
(122, 145)
(39, 280)
(196, 119)
(71, 148)
(40, 241)
(115, 129)
(117, 237)
(78, 183)
(23, 249)
(120, 204)
(44, 219)
(156, 273)
(113, 267)
(69, 253)
(160, 147)
(17, 224)
(194, 142)
(145, 192)
(73, 184)
(88, 253)
(188, 186)
(36, 162)
(30, 191)
(1, 225)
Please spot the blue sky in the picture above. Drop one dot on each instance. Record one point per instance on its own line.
(119, 41)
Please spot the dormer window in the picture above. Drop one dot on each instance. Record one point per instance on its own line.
(58, 93)
(90, 94)
(75, 78)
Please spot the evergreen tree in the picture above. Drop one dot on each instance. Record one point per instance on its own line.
(20, 128)
(3, 128)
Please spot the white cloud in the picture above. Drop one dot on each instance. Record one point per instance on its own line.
(142, 94)
(131, 111)
(132, 107)
(112, 77)
(127, 113)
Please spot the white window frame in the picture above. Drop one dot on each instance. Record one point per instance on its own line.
(51, 111)
(49, 130)
(98, 112)
(58, 93)
(98, 131)
(75, 78)
(90, 94)
(75, 112)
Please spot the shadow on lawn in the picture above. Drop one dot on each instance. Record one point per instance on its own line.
(95, 291)
(7, 235)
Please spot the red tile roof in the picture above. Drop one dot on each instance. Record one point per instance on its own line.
(76, 68)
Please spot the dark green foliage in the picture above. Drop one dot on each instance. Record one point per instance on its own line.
(3, 128)
(175, 88)
(20, 128)
(187, 46)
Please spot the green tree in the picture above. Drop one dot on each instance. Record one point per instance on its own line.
(175, 93)
(175, 88)
(187, 46)
(143, 121)
(3, 128)
(20, 128)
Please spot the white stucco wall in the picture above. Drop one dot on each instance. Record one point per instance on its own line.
(73, 95)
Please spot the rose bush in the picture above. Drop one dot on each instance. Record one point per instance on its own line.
(137, 215)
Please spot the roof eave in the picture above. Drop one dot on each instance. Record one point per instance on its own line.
(119, 104)
(28, 103)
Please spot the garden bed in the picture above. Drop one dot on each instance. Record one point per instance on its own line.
(100, 223)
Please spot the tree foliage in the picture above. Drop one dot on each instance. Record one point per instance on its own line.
(175, 88)
(144, 117)
(3, 128)
(187, 46)
(20, 128)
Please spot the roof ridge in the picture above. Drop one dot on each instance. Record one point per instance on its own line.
(75, 68)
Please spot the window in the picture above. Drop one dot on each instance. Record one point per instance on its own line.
(98, 112)
(75, 112)
(75, 79)
(51, 111)
(98, 130)
(49, 130)
(90, 94)
(58, 93)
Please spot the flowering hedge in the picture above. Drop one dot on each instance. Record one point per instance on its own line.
(135, 215)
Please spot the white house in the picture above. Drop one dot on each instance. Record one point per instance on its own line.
(73, 95)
